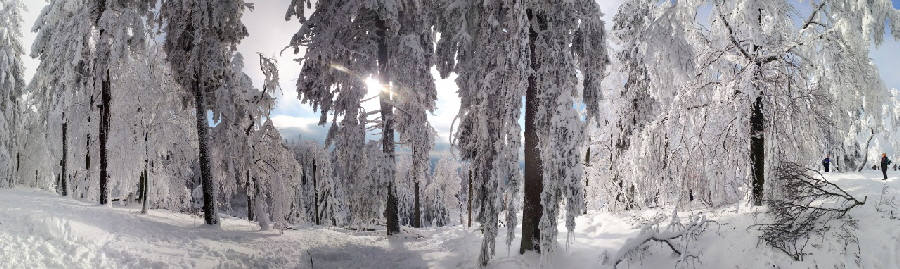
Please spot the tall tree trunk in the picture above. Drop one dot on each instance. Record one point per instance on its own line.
(534, 179)
(387, 139)
(757, 151)
(145, 188)
(209, 203)
(250, 196)
(105, 99)
(587, 163)
(418, 211)
(63, 188)
(470, 197)
(865, 158)
(18, 168)
(316, 191)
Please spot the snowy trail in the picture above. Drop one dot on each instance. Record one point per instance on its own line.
(39, 229)
(42, 230)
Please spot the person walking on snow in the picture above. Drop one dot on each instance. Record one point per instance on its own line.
(884, 164)
(826, 162)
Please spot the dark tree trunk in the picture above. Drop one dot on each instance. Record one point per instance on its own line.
(63, 184)
(470, 197)
(418, 211)
(145, 184)
(757, 151)
(209, 203)
(249, 199)
(316, 192)
(105, 99)
(387, 139)
(141, 182)
(587, 163)
(534, 180)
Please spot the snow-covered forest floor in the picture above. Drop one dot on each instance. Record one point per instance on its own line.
(40, 229)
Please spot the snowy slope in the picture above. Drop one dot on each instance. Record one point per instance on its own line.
(42, 230)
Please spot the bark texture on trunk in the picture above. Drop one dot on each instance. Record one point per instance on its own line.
(470, 197)
(387, 115)
(418, 210)
(145, 184)
(316, 191)
(210, 216)
(105, 99)
(63, 184)
(757, 151)
(534, 179)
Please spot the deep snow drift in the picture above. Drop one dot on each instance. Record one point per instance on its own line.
(40, 229)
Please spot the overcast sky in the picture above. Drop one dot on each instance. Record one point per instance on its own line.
(270, 33)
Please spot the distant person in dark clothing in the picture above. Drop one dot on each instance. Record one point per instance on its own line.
(826, 162)
(884, 164)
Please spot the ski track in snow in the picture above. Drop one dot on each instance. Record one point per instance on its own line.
(42, 230)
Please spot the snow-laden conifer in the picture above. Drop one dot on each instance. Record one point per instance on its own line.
(348, 41)
(201, 36)
(12, 86)
(485, 44)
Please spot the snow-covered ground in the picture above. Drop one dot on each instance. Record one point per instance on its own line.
(42, 230)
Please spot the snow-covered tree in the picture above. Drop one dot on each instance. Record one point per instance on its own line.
(201, 37)
(343, 41)
(892, 116)
(274, 174)
(12, 86)
(556, 51)
(60, 88)
(240, 112)
(320, 190)
(321, 193)
(568, 58)
(802, 72)
(756, 73)
(347, 41)
(152, 133)
(413, 90)
(486, 45)
(442, 194)
(120, 27)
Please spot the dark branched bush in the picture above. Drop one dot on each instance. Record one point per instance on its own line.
(808, 204)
